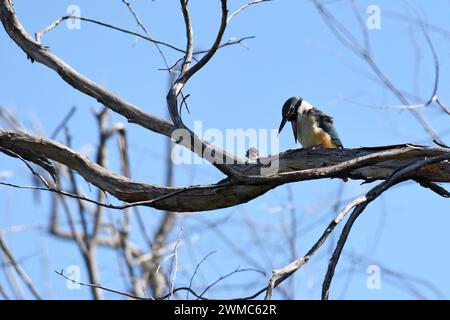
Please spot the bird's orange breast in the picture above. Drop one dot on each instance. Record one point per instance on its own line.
(324, 140)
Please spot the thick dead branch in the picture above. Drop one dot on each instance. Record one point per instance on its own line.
(368, 164)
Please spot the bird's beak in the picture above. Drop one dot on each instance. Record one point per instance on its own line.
(283, 122)
(294, 129)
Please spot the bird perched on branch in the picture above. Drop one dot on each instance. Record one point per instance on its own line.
(311, 127)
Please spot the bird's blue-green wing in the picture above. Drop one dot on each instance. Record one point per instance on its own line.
(326, 123)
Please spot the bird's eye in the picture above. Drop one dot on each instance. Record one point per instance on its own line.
(291, 110)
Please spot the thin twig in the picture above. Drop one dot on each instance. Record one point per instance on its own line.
(38, 35)
(141, 25)
(362, 27)
(245, 6)
(197, 268)
(230, 42)
(435, 188)
(61, 273)
(3, 294)
(118, 207)
(349, 41)
(442, 105)
(64, 122)
(422, 24)
(174, 264)
(33, 172)
(237, 270)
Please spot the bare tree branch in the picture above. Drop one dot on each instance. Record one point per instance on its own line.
(398, 176)
(245, 6)
(3, 294)
(294, 165)
(38, 35)
(197, 268)
(237, 270)
(63, 123)
(435, 188)
(189, 72)
(280, 275)
(97, 286)
(23, 275)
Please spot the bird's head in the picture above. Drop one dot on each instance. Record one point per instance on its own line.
(290, 111)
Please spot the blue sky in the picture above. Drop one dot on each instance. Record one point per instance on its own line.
(294, 53)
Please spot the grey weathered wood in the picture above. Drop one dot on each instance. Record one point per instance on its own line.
(295, 165)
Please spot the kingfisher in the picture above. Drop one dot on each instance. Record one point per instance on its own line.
(311, 127)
